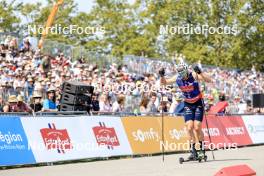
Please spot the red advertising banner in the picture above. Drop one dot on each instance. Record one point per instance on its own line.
(226, 131)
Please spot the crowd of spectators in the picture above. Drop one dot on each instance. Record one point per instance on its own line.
(31, 82)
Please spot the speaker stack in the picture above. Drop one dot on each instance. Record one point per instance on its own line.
(76, 96)
(258, 100)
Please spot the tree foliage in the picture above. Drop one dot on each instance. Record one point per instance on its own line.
(135, 28)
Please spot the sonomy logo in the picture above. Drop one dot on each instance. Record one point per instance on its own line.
(105, 136)
(142, 136)
(56, 139)
(177, 134)
(255, 128)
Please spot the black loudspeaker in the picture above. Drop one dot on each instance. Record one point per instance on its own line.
(74, 87)
(76, 96)
(82, 99)
(258, 100)
(66, 107)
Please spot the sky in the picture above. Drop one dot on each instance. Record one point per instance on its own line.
(83, 5)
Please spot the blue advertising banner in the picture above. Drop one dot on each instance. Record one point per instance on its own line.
(14, 147)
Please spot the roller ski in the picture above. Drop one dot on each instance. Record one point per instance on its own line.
(202, 156)
(195, 156)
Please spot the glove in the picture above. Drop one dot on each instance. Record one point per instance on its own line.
(197, 69)
(162, 72)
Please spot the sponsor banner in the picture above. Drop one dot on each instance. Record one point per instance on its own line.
(227, 131)
(14, 148)
(56, 139)
(109, 134)
(175, 134)
(68, 138)
(145, 135)
(255, 127)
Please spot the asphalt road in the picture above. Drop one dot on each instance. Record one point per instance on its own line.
(151, 166)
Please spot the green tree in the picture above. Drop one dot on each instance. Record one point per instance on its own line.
(9, 21)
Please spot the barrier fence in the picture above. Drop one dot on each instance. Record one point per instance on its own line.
(28, 140)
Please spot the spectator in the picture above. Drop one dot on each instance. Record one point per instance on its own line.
(143, 105)
(152, 106)
(29, 87)
(46, 64)
(164, 105)
(22, 106)
(104, 103)
(49, 104)
(1, 104)
(95, 102)
(118, 105)
(36, 105)
(12, 104)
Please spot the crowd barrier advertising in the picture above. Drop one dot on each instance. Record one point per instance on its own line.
(13, 143)
(175, 134)
(68, 138)
(255, 127)
(145, 134)
(28, 140)
(226, 131)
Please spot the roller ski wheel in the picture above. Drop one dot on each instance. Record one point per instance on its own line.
(190, 158)
(181, 160)
(201, 156)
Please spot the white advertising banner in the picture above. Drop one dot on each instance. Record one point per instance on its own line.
(67, 138)
(109, 133)
(255, 127)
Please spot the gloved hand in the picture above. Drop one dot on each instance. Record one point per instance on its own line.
(162, 72)
(197, 69)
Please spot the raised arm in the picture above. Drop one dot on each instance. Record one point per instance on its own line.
(201, 76)
(163, 80)
(169, 81)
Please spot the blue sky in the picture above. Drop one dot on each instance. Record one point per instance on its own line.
(83, 5)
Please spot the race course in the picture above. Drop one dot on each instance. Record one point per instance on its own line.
(152, 166)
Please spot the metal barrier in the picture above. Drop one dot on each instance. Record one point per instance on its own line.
(76, 52)
(121, 114)
(53, 114)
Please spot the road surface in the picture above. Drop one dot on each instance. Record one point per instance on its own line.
(151, 166)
